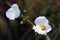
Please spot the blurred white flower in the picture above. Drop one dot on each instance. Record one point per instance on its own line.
(13, 12)
(42, 25)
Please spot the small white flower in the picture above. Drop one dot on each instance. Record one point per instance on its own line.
(42, 25)
(13, 12)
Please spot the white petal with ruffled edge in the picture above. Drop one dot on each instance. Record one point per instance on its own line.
(13, 12)
(42, 32)
(41, 20)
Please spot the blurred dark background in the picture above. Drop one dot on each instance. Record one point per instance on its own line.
(14, 30)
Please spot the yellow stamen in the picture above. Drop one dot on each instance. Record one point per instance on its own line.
(42, 27)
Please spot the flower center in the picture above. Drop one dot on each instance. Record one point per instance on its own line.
(42, 27)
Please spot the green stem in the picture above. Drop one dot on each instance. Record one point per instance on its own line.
(8, 3)
(29, 22)
(47, 37)
(26, 19)
(29, 29)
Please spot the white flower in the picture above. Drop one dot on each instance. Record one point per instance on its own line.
(42, 25)
(13, 12)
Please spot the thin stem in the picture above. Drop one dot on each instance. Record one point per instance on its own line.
(47, 37)
(8, 3)
(29, 22)
(26, 19)
(26, 33)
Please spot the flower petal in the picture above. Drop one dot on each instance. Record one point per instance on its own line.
(41, 20)
(48, 28)
(17, 13)
(14, 6)
(35, 28)
(10, 13)
(13, 12)
(42, 33)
